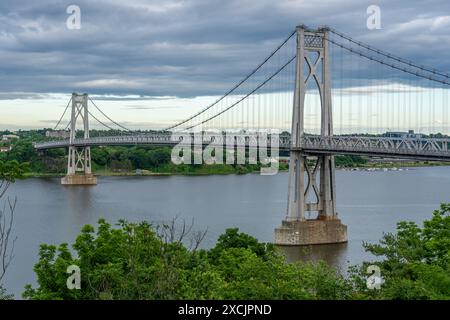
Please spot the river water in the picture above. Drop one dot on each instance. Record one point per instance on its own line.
(369, 203)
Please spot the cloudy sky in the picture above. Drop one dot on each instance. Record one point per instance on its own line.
(178, 54)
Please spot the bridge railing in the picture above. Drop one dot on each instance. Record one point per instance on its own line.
(214, 139)
(432, 148)
(416, 147)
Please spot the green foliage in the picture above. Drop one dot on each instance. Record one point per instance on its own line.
(23, 151)
(133, 262)
(128, 158)
(416, 262)
(249, 276)
(232, 238)
(12, 170)
(4, 295)
(349, 161)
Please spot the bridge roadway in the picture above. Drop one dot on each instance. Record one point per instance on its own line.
(407, 148)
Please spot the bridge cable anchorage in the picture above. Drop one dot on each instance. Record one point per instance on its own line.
(390, 56)
(106, 116)
(234, 87)
(65, 110)
(415, 73)
(246, 96)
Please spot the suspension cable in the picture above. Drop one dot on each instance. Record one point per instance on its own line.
(415, 73)
(63, 114)
(110, 128)
(390, 56)
(236, 86)
(106, 116)
(246, 96)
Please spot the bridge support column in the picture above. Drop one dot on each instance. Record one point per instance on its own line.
(79, 170)
(304, 195)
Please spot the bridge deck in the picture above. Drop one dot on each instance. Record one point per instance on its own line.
(411, 148)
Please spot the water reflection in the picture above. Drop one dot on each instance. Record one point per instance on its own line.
(333, 254)
(80, 202)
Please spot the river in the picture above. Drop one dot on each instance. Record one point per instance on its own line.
(369, 203)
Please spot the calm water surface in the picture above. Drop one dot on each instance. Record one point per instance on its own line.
(370, 203)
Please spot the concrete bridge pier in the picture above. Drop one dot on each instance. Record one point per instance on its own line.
(79, 167)
(79, 179)
(304, 194)
(326, 228)
(79, 170)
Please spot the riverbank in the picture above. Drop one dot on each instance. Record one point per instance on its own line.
(397, 165)
(225, 170)
(170, 169)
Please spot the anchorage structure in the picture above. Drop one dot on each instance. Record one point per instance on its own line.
(79, 157)
(313, 64)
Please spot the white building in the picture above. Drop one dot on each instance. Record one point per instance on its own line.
(7, 137)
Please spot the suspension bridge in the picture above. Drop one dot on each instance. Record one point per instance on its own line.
(323, 93)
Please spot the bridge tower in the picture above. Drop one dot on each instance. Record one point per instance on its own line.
(304, 195)
(79, 157)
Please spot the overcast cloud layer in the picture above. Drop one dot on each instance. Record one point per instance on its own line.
(189, 48)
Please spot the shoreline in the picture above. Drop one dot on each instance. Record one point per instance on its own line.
(395, 166)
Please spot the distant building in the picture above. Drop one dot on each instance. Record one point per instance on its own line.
(5, 149)
(283, 159)
(400, 134)
(58, 134)
(7, 137)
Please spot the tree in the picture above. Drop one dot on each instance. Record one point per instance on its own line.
(143, 261)
(416, 262)
(232, 238)
(9, 172)
(136, 261)
(128, 262)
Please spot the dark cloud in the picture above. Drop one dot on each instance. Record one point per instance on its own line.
(188, 48)
(23, 95)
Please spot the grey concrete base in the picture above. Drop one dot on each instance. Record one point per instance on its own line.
(308, 232)
(79, 179)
